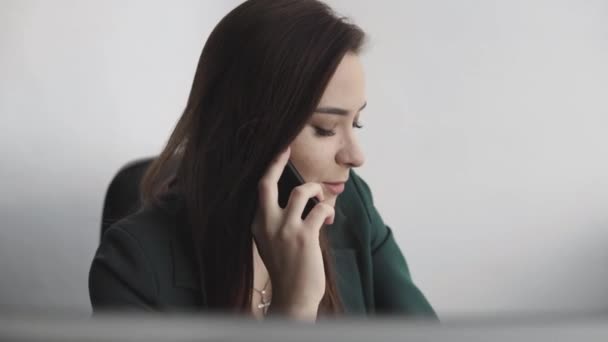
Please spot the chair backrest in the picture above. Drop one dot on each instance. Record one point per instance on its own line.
(122, 197)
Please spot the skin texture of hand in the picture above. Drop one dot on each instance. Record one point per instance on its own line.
(289, 246)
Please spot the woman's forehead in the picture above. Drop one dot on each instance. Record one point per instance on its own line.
(346, 88)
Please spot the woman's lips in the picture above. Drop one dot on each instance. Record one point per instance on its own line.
(335, 188)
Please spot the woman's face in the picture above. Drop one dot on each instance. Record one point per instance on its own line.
(328, 146)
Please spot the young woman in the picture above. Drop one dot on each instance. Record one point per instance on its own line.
(277, 80)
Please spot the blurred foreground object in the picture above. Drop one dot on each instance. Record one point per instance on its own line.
(152, 327)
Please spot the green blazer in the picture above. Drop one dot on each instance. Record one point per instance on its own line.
(145, 262)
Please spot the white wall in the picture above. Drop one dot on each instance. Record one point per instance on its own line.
(485, 139)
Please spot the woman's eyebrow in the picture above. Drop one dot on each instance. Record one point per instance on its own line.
(335, 110)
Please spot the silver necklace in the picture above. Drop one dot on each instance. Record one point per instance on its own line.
(265, 303)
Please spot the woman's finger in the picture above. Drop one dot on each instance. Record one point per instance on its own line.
(268, 189)
(320, 214)
(299, 197)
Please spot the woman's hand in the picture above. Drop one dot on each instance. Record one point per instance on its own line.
(289, 246)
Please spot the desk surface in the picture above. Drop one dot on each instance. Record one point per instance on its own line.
(131, 327)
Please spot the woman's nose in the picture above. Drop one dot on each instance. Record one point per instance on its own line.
(351, 155)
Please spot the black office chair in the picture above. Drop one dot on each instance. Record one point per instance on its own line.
(122, 197)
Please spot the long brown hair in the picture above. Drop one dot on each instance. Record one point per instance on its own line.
(260, 76)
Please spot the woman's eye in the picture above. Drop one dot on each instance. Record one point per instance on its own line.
(324, 132)
(328, 132)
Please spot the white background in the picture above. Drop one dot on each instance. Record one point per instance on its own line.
(485, 139)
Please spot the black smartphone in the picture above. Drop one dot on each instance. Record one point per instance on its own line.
(290, 178)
